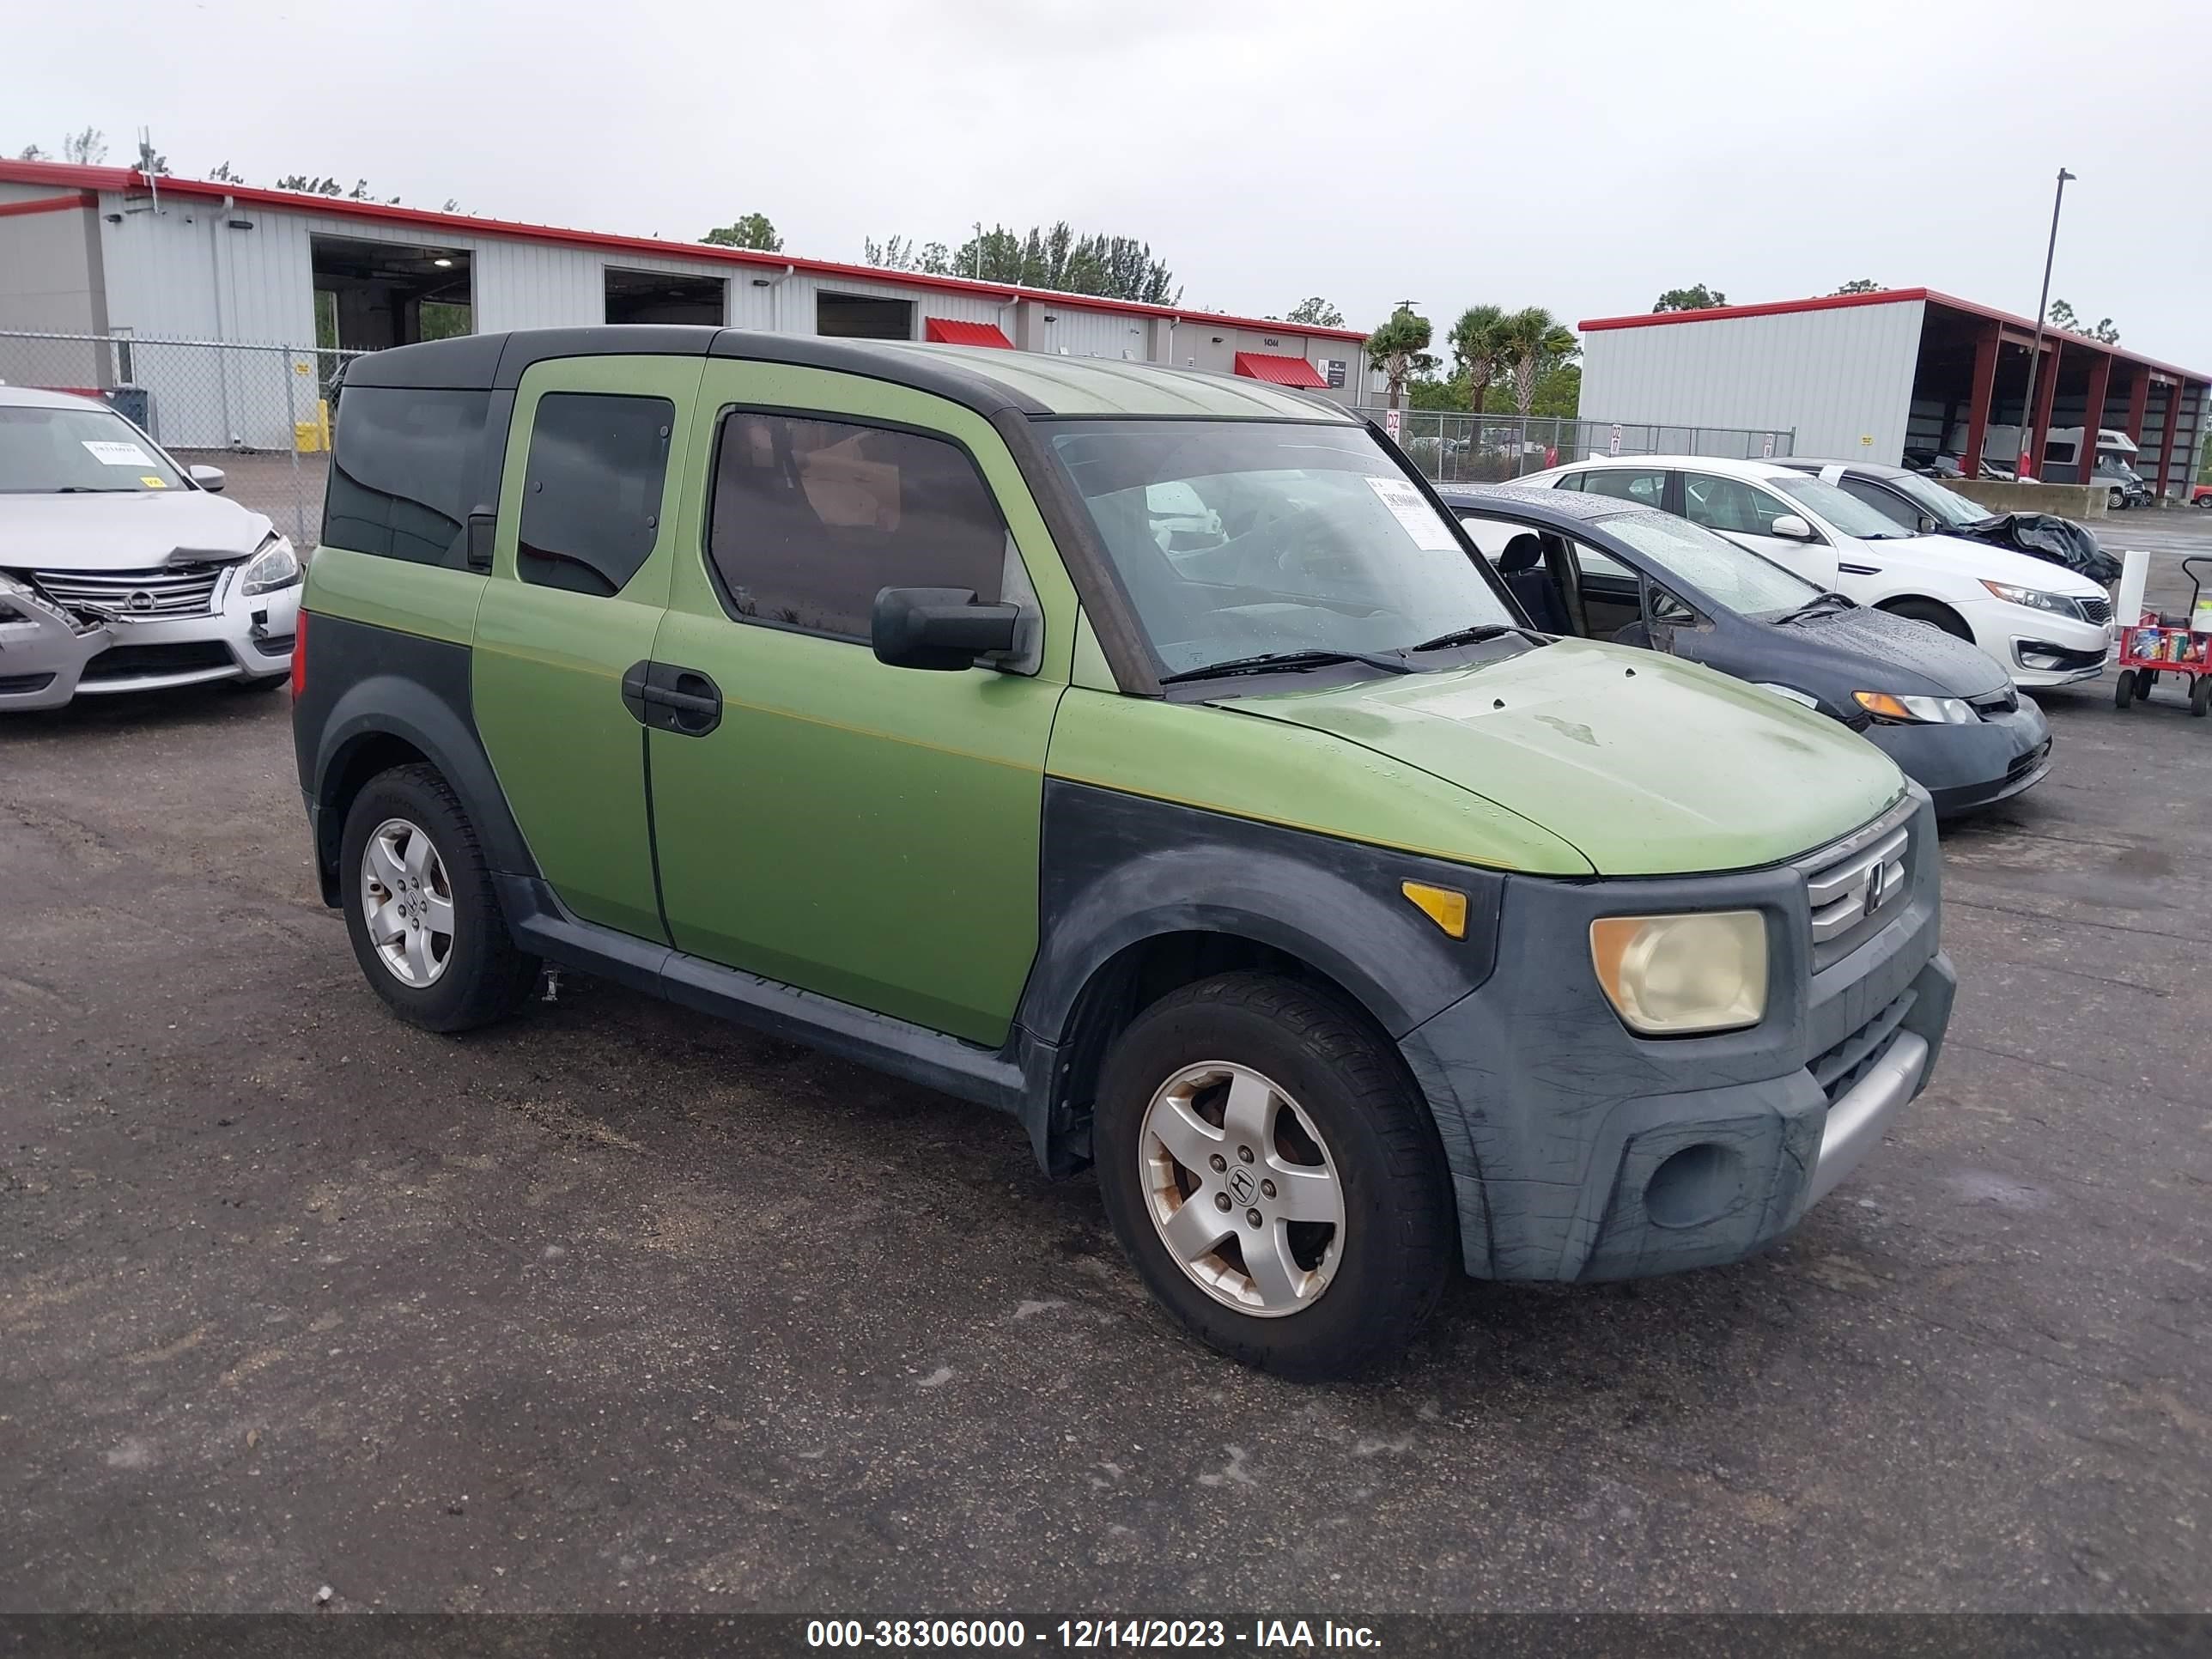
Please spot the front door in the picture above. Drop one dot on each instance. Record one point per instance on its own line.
(865, 832)
(1744, 514)
(579, 578)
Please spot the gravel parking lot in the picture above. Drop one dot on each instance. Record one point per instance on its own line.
(615, 1309)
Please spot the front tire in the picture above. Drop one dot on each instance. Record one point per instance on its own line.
(1934, 613)
(1275, 1176)
(425, 923)
(2123, 688)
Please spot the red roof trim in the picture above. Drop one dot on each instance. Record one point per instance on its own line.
(1279, 370)
(74, 199)
(129, 179)
(950, 330)
(1882, 297)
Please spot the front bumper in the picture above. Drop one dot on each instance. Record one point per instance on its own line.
(240, 637)
(1580, 1152)
(43, 650)
(2038, 648)
(1967, 766)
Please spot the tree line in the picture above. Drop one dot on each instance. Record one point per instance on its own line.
(1525, 356)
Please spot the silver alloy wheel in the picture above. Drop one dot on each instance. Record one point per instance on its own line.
(1242, 1188)
(408, 903)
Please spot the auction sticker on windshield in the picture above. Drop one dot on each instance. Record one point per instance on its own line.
(116, 454)
(1422, 522)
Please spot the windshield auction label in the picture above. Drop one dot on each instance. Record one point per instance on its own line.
(1422, 522)
(116, 454)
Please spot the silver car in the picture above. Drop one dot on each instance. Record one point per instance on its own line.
(121, 570)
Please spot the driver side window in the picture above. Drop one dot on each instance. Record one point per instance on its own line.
(1729, 504)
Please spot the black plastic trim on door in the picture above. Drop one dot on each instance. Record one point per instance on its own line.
(668, 697)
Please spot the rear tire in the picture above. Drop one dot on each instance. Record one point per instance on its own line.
(409, 855)
(2200, 694)
(1252, 1064)
(1935, 614)
(2123, 690)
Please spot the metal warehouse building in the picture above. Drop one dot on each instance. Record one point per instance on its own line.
(1874, 376)
(91, 251)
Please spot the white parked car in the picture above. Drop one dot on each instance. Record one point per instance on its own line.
(2047, 625)
(121, 570)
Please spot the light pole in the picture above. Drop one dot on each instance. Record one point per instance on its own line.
(2030, 462)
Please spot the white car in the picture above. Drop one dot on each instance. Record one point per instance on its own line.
(2048, 626)
(120, 569)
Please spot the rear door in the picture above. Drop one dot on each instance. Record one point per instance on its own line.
(579, 580)
(867, 832)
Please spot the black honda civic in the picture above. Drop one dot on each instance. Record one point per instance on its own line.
(1602, 567)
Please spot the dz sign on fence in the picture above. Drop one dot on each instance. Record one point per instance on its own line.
(1391, 423)
(1613, 445)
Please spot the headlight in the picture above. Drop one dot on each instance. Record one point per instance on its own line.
(275, 566)
(2057, 603)
(1917, 711)
(1802, 698)
(1673, 976)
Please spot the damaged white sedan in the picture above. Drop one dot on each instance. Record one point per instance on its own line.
(121, 570)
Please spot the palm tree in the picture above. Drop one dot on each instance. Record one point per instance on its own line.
(1534, 341)
(1400, 350)
(1478, 347)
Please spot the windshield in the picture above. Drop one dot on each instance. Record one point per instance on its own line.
(48, 451)
(1944, 506)
(1731, 577)
(1846, 514)
(1236, 538)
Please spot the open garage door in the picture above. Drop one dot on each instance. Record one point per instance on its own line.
(371, 295)
(863, 317)
(661, 296)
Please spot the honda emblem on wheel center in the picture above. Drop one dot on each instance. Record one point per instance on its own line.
(1242, 1186)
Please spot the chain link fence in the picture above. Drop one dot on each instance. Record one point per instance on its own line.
(261, 413)
(1461, 449)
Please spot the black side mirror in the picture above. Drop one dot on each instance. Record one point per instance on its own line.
(941, 628)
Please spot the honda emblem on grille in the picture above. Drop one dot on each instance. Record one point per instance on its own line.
(1877, 887)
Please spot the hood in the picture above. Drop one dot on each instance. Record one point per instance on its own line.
(140, 531)
(1645, 765)
(1877, 651)
(1983, 562)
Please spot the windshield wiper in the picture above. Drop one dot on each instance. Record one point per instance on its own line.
(1813, 607)
(1464, 637)
(1268, 660)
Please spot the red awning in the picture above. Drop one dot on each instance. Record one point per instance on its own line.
(1278, 371)
(945, 331)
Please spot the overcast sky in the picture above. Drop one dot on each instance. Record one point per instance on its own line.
(1582, 157)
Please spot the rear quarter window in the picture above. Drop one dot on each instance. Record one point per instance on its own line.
(405, 467)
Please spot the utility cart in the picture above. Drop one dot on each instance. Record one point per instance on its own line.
(2156, 645)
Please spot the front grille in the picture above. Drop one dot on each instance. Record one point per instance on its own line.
(2099, 611)
(1840, 1068)
(2023, 764)
(177, 590)
(126, 662)
(1855, 886)
(2006, 701)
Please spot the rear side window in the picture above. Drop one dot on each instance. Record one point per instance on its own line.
(1571, 481)
(590, 497)
(811, 519)
(1644, 488)
(405, 467)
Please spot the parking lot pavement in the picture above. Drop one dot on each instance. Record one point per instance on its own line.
(614, 1307)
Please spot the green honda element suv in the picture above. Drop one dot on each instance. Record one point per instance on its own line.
(1145, 754)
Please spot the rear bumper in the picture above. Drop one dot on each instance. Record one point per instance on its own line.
(1579, 1151)
(242, 637)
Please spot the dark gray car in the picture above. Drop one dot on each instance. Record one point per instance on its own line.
(1599, 566)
